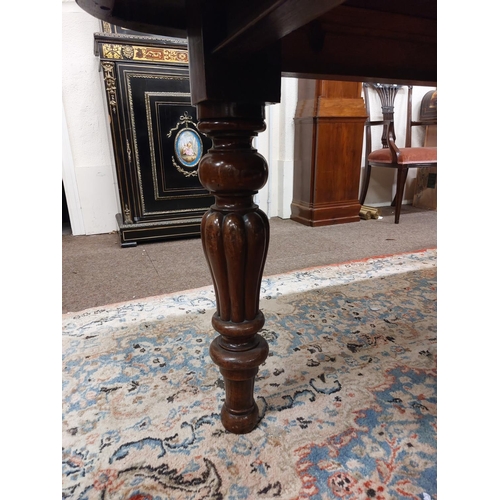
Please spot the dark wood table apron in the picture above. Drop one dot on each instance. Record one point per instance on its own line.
(238, 52)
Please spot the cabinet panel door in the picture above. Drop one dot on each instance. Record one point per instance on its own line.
(164, 146)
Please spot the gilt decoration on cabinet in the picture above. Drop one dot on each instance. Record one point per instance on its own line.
(145, 54)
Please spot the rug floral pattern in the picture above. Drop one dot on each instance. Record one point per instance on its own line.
(347, 397)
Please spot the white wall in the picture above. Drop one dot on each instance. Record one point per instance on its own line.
(276, 145)
(89, 174)
(89, 169)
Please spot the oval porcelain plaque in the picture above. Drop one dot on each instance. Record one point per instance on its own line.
(188, 147)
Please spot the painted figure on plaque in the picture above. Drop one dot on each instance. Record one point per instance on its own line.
(188, 147)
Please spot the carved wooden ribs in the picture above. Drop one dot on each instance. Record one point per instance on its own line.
(235, 237)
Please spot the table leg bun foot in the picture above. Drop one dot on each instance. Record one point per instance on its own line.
(240, 423)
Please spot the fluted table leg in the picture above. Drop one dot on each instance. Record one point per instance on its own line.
(235, 237)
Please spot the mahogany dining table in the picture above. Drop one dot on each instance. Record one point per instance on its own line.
(238, 52)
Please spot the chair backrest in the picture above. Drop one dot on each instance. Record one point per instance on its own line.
(387, 94)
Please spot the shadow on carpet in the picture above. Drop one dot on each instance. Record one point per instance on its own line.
(347, 396)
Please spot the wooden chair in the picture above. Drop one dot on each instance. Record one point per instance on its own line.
(390, 155)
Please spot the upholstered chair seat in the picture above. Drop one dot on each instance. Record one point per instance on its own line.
(406, 155)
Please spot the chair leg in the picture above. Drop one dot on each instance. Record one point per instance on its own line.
(393, 204)
(400, 186)
(366, 181)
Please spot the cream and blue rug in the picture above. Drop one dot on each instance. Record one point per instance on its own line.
(347, 396)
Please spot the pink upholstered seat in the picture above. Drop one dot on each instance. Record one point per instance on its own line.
(407, 155)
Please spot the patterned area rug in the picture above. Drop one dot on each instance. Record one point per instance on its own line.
(347, 396)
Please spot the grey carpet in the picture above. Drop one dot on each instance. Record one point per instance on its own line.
(96, 271)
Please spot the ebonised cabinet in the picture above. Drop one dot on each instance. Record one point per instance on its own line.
(157, 145)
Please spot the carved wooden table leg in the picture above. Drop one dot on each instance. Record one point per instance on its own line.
(235, 237)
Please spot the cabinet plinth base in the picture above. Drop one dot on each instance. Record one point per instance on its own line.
(335, 213)
(143, 232)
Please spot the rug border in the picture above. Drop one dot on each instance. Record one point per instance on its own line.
(267, 276)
